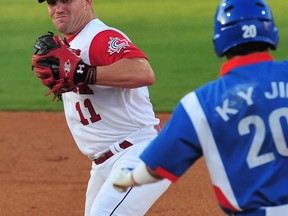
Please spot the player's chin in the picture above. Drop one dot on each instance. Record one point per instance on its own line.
(61, 26)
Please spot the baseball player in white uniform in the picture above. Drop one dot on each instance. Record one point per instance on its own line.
(110, 117)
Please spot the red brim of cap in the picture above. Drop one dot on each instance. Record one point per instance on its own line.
(40, 1)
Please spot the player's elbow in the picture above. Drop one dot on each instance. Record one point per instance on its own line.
(147, 73)
(144, 78)
(141, 72)
(150, 78)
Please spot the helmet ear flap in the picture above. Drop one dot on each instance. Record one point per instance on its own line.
(240, 22)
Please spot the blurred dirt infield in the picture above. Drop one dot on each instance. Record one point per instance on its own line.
(42, 172)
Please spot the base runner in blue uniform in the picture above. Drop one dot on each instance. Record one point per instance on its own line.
(239, 122)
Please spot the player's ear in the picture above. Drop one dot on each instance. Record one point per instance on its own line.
(88, 2)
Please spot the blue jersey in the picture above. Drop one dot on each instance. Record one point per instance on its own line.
(239, 123)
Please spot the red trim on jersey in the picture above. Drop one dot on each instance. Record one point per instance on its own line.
(245, 60)
(165, 174)
(73, 36)
(103, 52)
(223, 201)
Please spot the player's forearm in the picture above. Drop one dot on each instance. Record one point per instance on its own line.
(126, 73)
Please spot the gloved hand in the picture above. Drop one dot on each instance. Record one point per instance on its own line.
(58, 66)
(123, 180)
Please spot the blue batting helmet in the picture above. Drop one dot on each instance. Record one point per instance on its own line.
(243, 21)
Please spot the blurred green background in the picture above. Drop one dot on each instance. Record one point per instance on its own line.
(176, 36)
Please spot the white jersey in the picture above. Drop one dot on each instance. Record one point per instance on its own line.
(101, 116)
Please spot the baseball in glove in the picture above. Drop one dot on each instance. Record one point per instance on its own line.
(59, 67)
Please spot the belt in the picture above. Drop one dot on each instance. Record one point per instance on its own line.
(108, 154)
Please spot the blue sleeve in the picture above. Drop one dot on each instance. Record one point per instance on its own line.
(176, 148)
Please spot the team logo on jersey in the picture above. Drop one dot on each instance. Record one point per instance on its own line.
(116, 45)
(67, 66)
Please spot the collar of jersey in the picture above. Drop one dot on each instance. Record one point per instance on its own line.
(244, 60)
(73, 36)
